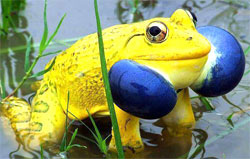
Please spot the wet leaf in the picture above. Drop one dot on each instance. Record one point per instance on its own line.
(229, 119)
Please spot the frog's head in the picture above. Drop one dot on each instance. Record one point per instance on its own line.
(171, 46)
(165, 39)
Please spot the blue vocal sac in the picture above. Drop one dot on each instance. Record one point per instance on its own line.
(225, 66)
(140, 91)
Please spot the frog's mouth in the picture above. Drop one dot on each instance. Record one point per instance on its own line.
(162, 59)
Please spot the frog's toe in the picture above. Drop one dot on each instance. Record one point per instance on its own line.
(141, 91)
(225, 66)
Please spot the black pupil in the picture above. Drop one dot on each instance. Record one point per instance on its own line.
(155, 30)
(194, 16)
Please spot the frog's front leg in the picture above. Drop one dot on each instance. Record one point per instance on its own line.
(181, 118)
(129, 130)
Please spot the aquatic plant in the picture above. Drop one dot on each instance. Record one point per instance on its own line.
(8, 7)
(64, 148)
(107, 86)
(43, 45)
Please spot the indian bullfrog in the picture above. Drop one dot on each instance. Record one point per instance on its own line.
(171, 46)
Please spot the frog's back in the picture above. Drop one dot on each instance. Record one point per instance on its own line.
(77, 70)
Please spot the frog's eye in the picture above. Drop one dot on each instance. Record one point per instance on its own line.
(157, 32)
(192, 16)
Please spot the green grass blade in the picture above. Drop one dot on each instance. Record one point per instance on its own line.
(45, 32)
(51, 53)
(194, 97)
(73, 137)
(41, 151)
(64, 142)
(246, 73)
(55, 32)
(86, 138)
(207, 103)
(27, 55)
(102, 145)
(44, 71)
(63, 145)
(229, 119)
(84, 125)
(95, 127)
(107, 86)
(247, 51)
(2, 81)
(75, 145)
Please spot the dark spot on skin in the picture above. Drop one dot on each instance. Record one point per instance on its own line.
(40, 107)
(178, 23)
(73, 53)
(32, 137)
(21, 118)
(36, 126)
(127, 123)
(44, 89)
(189, 38)
(131, 149)
(72, 68)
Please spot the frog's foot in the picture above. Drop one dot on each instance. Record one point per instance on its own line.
(181, 118)
(130, 132)
(41, 123)
(18, 112)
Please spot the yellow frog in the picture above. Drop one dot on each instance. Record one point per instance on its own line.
(177, 51)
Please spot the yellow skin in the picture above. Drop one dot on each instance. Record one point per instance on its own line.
(180, 58)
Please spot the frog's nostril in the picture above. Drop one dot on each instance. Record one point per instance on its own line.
(155, 30)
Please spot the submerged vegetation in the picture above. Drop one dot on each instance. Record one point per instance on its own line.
(9, 8)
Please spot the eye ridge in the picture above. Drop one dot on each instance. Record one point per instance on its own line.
(194, 16)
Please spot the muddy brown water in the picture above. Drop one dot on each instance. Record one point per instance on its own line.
(212, 137)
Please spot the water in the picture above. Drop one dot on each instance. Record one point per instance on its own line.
(220, 138)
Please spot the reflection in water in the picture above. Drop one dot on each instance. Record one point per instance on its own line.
(12, 61)
(130, 11)
(200, 137)
(196, 5)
